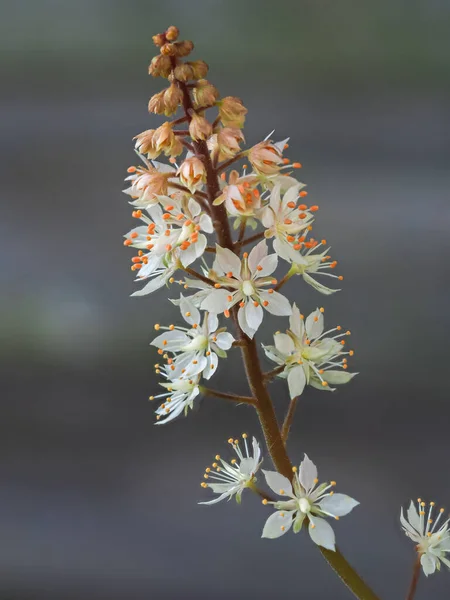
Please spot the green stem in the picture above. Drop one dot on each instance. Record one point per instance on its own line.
(347, 574)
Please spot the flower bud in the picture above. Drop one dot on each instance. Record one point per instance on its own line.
(192, 173)
(183, 48)
(169, 50)
(172, 33)
(173, 97)
(164, 140)
(266, 158)
(144, 141)
(159, 39)
(225, 143)
(205, 94)
(156, 104)
(232, 112)
(183, 72)
(199, 69)
(199, 128)
(160, 66)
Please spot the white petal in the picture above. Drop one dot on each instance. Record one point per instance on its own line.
(253, 315)
(269, 264)
(211, 365)
(314, 324)
(307, 473)
(257, 254)
(275, 198)
(296, 322)
(322, 534)
(296, 381)
(338, 505)
(428, 563)
(277, 304)
(206, 224)
(216, 301)
(338, 377)
(323, 289)
(228, 261)
(153, 285)
(277, 525)
(188, 311)
(284, 343)
(173, 340)
(413, 517)
(278, 482)
(243, 324)
(213, 323)
(224, 340)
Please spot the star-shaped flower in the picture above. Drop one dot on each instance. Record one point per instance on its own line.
(308, 355)
(231, 479)
(305, 500)
(431, 535)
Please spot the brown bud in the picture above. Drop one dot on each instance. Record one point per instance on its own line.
(164, 140)
(172, 33)
(205, 94)
(192, 173)
(183, 48)
(232, 112)
(199, 69)
(159, 39)
(161, 66)
(199, 128)
(225, 143)
(183, 72)
(156, 104)
(173, 97)
(144, 142)
(169, 50)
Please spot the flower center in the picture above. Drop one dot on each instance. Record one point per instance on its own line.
(304, 505)
(248, 288)
(200, 342)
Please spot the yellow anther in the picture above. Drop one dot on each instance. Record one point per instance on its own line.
(324, 383)
(422, 512)
(283, 528)
(423, 504)
(171, 327)
(233, 461)
(208, 470)
(217, 457)
(215, 464)
(442, 510)
(419, 499)
(281, 492)
(312, 526)
(230, 440)
(352, 352)
(432, 503)
(322, 309)
(157, 326)
(265, 501)
(206, 476)
(282, 514)
(316, 480)
(331, 493)
(294, 469)
(151, 397)
(348, 332)
(188, 314)
(429, 534)
(236, 442)
(337, 518)
(218, 469)
(157, 371)
(204, 485)
(245, 436)
(332, 483)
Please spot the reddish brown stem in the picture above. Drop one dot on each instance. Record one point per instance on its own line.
(288, 419)
(415, 579)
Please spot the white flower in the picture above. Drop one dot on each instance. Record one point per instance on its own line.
(241, 195)
(232, 479)
(149, 182)
(309, 357)
(284, 221)
(305, 500)
(431, 536)
(200, 341)
(243, 282)
(182, 389)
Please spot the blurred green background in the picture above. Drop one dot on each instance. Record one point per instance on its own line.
(95, 501)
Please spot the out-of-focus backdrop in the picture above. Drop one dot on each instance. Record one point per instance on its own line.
(95, 501)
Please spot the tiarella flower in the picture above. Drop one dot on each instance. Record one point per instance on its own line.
(243, 282)
(205, 94)
(178, 228)
(149, 182)
(241, 195)
(431, 535)
(305, 499)
(200, 341)
(192, 173)
(199, 128)
(154, 141)
(232, 112)
(231, 479)
(266, 157)
(225, 143)
(284, 221)
(310, 357)
(182, 389)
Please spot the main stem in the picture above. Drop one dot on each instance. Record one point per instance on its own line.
(255, 375)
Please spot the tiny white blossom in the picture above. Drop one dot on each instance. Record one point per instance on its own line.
(431, 535)
(310, 357)
(231, 479)
(201, 340)
(284, 221)
(305, 499)
(182, 389)
(149, 182)
(242, 281)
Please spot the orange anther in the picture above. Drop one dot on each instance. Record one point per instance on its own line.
(168, 208)
(288, 222)
(285, 161)
(314, 208)
(223, 176)
(229, 274)
(302, 215)
(256, 193)
(137, 214)
(245, 255)
(290, 238)
(169, 247)
(226, 313)
(127, 243)
(134, 235)
(259, 268)
(270, 291)
(131, 170)
(265, 303)
(166, 216)
(242, 304)
(341, 278)
(229, 298)
(255, 303)
(217, 285)
(291, 204)
(297, 165)
(149, 246)
(302, 207)
(136, 259)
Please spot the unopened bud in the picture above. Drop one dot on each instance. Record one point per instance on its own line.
(172, 33)
(183, 48)
(164, 140)
(199, 69)
(205, 94)
(159, 39)
(160, 66)
(232, 112)
(199, 128)
(169, 50)
(173, 97)
(225, 143)
(192, 173)
(156, 104)
(144, 142)
(183, 72)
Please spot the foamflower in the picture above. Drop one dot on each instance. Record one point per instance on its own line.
(431, 534)
(306, 500)
(231, 479)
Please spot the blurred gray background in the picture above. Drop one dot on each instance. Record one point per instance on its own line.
(95, 501)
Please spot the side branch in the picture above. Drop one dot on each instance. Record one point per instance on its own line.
(225, 396)
(288, 419)
(249, 240)
(269, 375)
(199, 276)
